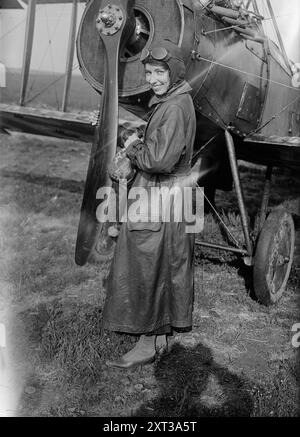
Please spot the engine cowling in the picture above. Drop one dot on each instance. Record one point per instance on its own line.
(154, 20)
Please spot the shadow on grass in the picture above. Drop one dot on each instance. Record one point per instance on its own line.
(192, 384)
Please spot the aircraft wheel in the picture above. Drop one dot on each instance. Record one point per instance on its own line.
(274, 257)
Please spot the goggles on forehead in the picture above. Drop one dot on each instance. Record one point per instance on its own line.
(158, 54)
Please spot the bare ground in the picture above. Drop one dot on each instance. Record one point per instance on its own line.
(237, 361)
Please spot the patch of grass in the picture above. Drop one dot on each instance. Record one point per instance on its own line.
(277, 397)
(74, 339)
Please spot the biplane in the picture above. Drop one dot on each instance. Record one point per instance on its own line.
(246, 93)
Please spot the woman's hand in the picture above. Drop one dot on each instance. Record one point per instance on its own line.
(120, 168)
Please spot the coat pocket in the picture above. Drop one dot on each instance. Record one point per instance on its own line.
(144, 211)
(144, 226)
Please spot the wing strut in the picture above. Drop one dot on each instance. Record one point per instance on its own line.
(70, 57)
(27, 49)
(280, 40)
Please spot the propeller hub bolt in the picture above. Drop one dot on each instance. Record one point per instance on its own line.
(109, 20)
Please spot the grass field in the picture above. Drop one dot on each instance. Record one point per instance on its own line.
(237, 361)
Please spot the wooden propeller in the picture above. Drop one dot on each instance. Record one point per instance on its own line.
(114, 24)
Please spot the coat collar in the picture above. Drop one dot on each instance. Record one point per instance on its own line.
(177, 89)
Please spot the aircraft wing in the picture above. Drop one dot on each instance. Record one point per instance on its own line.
(68, 125)
(271, 150)
(76, 126)
(10, 4)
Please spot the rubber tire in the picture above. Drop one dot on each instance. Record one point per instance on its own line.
(278, 230)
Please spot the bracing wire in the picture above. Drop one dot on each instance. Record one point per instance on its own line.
(49, 85)
(237, 243)
(238, 25)
(246, 72)
(51, 55)
(8, 32)
(274, 116)
(47, 48)
(222, 29)
(12, 29)
(266, 13)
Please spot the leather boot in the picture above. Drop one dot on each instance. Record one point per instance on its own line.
(143, 353)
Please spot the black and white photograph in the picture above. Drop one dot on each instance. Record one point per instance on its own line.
(149, 211)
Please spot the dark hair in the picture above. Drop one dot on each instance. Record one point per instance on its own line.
(162, 64)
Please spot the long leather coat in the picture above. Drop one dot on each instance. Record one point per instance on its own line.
(150, 285)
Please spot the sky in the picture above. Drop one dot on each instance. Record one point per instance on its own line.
(288, 19)
(52, 27)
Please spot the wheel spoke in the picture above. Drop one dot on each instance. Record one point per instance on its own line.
(273, 257)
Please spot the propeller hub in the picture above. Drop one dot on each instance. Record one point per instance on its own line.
(110, 20)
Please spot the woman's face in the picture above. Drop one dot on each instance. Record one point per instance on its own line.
(158, 77)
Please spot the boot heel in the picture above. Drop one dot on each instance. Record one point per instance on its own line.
(161, 345)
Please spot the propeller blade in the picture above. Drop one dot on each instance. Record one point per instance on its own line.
(113, 29)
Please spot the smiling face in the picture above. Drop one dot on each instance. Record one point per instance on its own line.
(158, 77)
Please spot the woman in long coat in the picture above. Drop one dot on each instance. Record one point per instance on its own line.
(150, 285)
